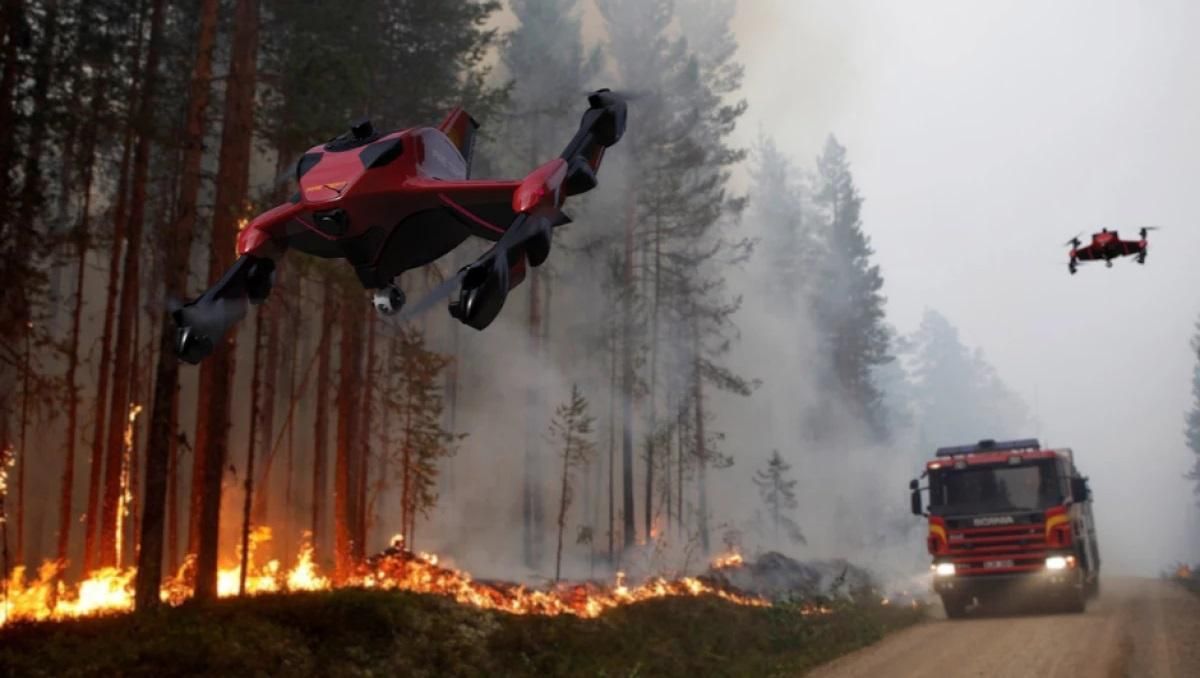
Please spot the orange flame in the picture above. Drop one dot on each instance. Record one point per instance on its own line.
(728, 560)
(111, 590)
(126, 497)
(8, 459)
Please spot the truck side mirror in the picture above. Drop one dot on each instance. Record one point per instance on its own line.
(915, 497)
(1079, 490)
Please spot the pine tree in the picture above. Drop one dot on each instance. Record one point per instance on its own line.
(782, 214)
(1191, 431)
(571, 431)
(778, 493)
(164, 412)
(544, 56)
(231, 194)
(320, 466)
(131, 49)
(125, 347)
(349, 403)
(848, 302)
(956, 394)
(648, 58)
(414, 396)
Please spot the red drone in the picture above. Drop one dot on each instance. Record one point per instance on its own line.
(388, 203)
(1107, 245)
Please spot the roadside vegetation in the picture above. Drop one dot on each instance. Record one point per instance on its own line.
(364, 633)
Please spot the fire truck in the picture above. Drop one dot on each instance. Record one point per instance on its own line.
(1009, 522)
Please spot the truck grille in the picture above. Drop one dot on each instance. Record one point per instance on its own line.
(1001, 549)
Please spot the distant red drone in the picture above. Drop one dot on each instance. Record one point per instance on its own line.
(1107, 245)
(388, 203)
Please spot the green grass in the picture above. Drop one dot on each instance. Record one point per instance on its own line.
(375, 633)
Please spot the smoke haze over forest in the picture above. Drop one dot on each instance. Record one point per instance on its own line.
(983, 136)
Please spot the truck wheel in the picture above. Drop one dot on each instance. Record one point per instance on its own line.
(1093, 587)
(955, 606)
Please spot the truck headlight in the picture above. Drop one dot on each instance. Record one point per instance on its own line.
(944, 569)
(1058, 562)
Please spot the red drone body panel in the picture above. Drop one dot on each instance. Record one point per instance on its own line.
(388, 203)
(1106, 246)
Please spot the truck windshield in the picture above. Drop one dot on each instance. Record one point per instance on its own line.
(994, 489)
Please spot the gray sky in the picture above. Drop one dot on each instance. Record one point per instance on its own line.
(985, 134)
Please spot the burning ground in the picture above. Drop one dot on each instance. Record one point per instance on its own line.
(406, 614)
(110, 590)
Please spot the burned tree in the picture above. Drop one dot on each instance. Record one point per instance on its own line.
(232, 185)
(122, 393)
(347, 466)
(164, 415)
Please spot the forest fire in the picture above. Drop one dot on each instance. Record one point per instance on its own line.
(728, 560)
(47, 597)
(125, 498)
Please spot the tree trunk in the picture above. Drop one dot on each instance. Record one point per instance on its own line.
(31, 200)
(346, 468)
(5, 451)
(562, 510)
(681, 424)
(102, 386)
(128, 504)
(110, 520)
(270, 373)
(31, 191)
(407, 501)
(453, 377)
(701, 449)
(14, 17)
(627, 382)
(531, 492)
(67, 490)
(172, 495)
(321, 414)
(251, 445)
(25, 456)
(385, 440)
(233, 177)
(667, 459)
(364, 445)
(612, 448)
(262, 498)
(293, 356)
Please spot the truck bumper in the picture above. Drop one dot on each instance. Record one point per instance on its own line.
(1033, 584)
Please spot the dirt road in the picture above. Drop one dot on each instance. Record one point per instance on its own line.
(1138, 627)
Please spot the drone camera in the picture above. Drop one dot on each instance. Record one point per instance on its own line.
(334, 222)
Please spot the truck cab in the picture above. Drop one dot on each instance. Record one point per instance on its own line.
(1008, 522)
